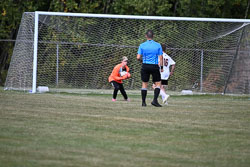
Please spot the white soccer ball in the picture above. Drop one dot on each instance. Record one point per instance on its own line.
(123, 73)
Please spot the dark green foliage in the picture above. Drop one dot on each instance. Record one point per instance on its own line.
(11, 13)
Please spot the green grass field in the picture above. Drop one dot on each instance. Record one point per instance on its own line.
(63, 129)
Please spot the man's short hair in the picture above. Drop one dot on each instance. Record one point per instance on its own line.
(150, 34)
(164, 47)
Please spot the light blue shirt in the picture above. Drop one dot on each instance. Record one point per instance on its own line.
(150, 51)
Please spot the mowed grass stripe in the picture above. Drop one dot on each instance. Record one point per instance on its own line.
(90, 130)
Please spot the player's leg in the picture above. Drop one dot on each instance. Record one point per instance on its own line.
(163, 93)
(145, 78)
(153, 86)
(166, 96)
(144, 93)
(123, 92)
(156, 94)
(157, 80)
(116, 88)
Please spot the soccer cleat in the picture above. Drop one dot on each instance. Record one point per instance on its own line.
(165, 99)
(113, 99)
(156, 104)
(144, 104)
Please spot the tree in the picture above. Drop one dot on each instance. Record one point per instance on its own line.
(11, 13)
(212, 8)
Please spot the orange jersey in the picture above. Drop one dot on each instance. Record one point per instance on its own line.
(115, 75)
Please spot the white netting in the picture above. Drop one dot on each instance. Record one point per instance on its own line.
(80, 52)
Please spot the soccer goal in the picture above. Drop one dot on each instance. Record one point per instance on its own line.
(79, 51)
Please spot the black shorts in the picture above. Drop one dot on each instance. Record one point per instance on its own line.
(117, 85)
(164, 82)
(152, 69)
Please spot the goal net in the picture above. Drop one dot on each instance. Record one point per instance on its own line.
(79, 51)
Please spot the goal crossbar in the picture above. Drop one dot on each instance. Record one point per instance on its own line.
(144, 17)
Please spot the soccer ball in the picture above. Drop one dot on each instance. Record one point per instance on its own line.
(122, 73)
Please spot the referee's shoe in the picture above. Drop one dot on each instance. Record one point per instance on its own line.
(156, 104)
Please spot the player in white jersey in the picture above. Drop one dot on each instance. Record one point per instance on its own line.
(167, 63)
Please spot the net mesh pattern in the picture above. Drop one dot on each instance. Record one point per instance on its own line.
(81, 52)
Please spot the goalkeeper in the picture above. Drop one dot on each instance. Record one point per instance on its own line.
(119, 73)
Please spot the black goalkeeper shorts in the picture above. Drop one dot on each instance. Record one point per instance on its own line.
(150, 69)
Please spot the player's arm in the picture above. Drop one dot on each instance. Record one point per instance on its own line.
(161, 62)
(172, 63)
(172, 69)
(121, 78)
(139, 54)
(139, 58)
(116, 74)
(160, 53)
(127, 68)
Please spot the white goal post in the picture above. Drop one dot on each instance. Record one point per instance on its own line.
(76, 50)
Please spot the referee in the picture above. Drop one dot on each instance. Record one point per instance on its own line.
(149, 53)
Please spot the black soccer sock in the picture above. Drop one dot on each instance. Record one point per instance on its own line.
(143, 95)
(156, 94)
(115, 93)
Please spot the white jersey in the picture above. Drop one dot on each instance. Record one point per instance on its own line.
(167, 62)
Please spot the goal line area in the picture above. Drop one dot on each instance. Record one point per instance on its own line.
(136, 93)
